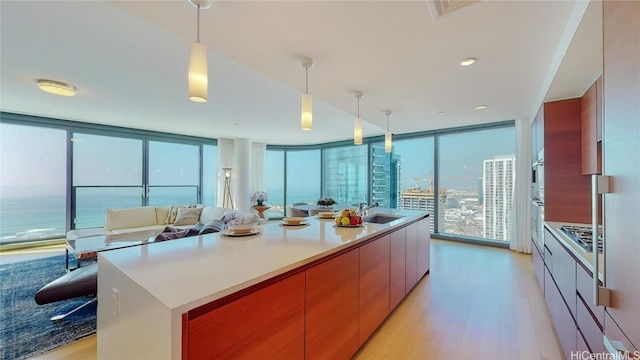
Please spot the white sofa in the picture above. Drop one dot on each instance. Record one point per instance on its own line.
(157, 218)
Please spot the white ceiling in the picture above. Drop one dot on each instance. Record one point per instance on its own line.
(128, 60)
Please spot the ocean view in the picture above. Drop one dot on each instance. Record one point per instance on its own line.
(28, 218)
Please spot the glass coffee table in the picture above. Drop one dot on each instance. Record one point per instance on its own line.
(86, 249)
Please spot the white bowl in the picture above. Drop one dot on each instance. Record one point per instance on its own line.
(242, 226)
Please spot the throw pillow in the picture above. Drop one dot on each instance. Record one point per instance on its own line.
(228, 216)
(187, 216)
(173, 212)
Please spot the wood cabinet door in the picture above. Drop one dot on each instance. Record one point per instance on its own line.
(268, 323)
(373, 288)
(621, 150)
(331, 328)
(562, 320)
(424, 243)
(397, 270)
(411, 252)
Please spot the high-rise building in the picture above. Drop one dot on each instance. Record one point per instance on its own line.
(386, 171)
(418, 198)
(498, 176)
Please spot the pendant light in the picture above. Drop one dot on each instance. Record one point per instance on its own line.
(198, 73)
(306, 113)
(387, 134)
(357, 126)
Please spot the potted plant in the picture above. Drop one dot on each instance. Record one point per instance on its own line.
(325, 202)
(259, 198)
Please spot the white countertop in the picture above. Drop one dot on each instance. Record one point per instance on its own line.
(583, 256)
(189, 272)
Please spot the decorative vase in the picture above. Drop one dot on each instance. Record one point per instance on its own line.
(261, 209)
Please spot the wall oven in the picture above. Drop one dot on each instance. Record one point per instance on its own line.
(537, 223)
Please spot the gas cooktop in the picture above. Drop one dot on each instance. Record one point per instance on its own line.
(583, 236)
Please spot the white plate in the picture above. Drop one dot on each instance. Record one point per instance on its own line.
(349, 226)
(293, 224)
(232, 233)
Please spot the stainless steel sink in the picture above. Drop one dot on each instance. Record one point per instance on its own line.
(381, 218)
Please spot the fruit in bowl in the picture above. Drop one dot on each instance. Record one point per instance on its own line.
(348, 217)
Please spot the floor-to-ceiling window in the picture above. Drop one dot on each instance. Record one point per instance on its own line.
(303, 176)
(346, 174)
(209, 174)
(174, 171)
(32, 183)
(107, 173)
(411, 176)
(274, 168)
(45, 189)
(477, 176)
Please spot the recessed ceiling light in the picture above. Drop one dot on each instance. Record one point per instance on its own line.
(481, 107)
(57, 87)
(442, 113)
(468, 61)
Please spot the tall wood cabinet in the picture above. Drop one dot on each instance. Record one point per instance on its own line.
(621, 161)
(566, 191)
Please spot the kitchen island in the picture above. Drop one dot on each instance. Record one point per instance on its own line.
(308, 291)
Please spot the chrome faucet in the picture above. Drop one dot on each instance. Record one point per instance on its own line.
(364, 208)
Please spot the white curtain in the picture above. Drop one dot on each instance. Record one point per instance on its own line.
(225, 160)
(521, 229)
(258, 172)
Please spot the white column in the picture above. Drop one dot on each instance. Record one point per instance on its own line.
(242, 170)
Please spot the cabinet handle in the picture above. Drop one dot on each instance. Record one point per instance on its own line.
(599, 185)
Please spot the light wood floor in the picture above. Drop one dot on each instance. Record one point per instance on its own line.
(476, 303)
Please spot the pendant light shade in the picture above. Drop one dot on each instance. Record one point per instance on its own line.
(387, 134)
(357, 131)
(306, 112)
(306, 117)
(198, 72)
(357, 126)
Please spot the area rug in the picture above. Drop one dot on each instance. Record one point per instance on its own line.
(25, 328)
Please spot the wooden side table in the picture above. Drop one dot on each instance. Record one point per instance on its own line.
(261, 209)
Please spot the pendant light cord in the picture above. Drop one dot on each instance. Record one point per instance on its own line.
(306, 79)
(358, 107)
(387, 122)
(198, 24)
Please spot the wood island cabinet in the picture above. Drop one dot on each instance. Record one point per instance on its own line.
(373, 287)
(268, 323)
(332, 308)
(326, 310)
(411, 259)
(424, 243)
(397, 269)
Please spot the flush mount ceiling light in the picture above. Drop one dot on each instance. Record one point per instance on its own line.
(357, 126)
(468, 61)
(306, 114)
(481, 107)
(198, 72)
(387, 134)
(57, 87)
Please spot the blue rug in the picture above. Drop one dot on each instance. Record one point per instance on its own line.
(25, 328)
